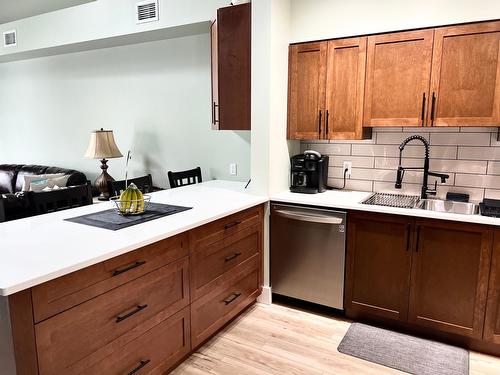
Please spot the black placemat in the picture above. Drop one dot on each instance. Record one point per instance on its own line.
(110, 219)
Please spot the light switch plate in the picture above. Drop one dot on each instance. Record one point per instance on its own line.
(233, 169)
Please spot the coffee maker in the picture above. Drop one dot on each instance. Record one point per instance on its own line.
(309, 172)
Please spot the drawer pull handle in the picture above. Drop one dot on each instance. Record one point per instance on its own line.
(227, 226)
(139, 366)
(231, 257)
(231, 298)
(121, 318)
(119, 271)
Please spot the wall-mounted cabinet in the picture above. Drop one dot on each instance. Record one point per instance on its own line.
(397, 78)
(326, 85)
(446, 76)
(465, 84)
(231, 58)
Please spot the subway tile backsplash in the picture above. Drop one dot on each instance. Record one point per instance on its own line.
(470, 155)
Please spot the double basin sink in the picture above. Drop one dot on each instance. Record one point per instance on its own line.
(413, 202)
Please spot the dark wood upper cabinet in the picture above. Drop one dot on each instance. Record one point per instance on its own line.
(492, 319)
(345, 84)
(378, 265)
(397, 78)
(231, 59)
(465, 84)
(450, 271)
(306, 90)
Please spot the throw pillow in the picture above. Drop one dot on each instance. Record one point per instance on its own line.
(38, 185)
(29, 178)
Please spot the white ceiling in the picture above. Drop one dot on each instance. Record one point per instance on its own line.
(12, 10)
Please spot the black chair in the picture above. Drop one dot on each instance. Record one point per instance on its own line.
(144, 184)
(57, 200)
(183, 178)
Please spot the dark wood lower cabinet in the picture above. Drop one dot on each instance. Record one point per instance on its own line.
(492, 319)
(449, 282)
(431, 277)
(142, 312)
(378, 265)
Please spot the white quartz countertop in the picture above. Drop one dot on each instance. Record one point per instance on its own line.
(41, 248)
(351, 200)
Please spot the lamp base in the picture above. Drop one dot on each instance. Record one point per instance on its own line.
(101, 182)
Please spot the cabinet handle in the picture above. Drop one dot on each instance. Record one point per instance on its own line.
(227, 226)
(418, 239)
(422, 116)
(231, 298)
(319, 122)
(408, 229)
(214, 109)
(121, 318)
(433, 107)
(119, 271)
(231, 257)
(326, 122)
(141, 364)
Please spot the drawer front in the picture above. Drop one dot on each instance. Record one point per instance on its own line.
(213, 310)
(67, 291)
(222, 228)
(92, 330)
(215, 260)
(154, 352)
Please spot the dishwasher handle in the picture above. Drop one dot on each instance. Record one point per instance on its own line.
(306, 217)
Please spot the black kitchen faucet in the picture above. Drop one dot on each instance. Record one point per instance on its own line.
(401, 170)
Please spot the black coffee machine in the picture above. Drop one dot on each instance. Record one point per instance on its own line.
(309, 172)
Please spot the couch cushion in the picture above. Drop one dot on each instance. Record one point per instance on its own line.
(8, 175)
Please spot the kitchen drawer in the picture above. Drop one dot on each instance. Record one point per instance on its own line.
(220, 229)
(67, 291)
(215, 260)
(154, 352)
(213, 310)
(87, 333)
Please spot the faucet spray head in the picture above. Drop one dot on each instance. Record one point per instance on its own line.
(399, 178)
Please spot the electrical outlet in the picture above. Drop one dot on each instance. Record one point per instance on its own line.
(233, 169)
(348, 166)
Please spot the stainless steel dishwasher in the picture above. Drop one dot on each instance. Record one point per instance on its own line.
(308, 254)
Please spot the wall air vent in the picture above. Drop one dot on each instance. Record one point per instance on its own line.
(146, 11)
(10, 38)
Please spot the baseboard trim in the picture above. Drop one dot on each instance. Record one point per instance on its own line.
(266, 296)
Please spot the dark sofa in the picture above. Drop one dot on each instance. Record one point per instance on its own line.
(14, 204)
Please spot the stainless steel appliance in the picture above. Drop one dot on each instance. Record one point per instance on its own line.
(309, 172)
(308, 254)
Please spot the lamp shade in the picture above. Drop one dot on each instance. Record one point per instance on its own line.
(102, 145)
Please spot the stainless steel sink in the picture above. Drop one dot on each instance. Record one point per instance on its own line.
(439, 205)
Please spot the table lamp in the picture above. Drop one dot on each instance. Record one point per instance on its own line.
(103, 146)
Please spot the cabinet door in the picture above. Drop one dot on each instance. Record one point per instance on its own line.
(450, 276)
(378, 265)
(345, 89)
(306, 90)
(398, 78)
(215, 76)
(492, 321)
(466, 75)
(233, 56)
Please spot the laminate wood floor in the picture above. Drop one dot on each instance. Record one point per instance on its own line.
(274, 339)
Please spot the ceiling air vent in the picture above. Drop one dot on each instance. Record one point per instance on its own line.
(147, 11)
(10, 38)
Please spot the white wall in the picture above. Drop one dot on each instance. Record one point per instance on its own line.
(155, 96)
(323, 19)
(270, 155)
(103, 19)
